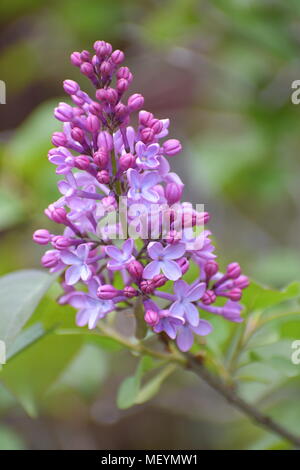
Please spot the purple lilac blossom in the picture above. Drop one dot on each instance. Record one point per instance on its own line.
(101, 157)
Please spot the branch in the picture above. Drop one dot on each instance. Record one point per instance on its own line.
(230, 395)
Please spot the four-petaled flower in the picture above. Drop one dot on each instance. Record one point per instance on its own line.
(168, 323)
(147, 156)
(141, 185)
(120, 257)
(163, 260)
(91, 308)
(78, 259)
(185, 334)
(185, 296)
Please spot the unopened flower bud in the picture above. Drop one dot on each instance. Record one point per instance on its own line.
(117, 57)
(71, 87)
(135, 102)
(242, 282)
(61, 243)
(107, 292)
(209, 297)
(103, 177)
(173, 192)
(147, 135)
(76, 59)
(57, 214)
(77, 134)
(211, 268)
(145, 118)
(184, 264)
(130, 292)
(105, 140)
(159, 280)
(233, 271)
(126, 161)
(87, 69)
(147, 287)
(172, 147)
(59, 139)
(156, 125)
(92, 123)
(50, 259)
(235, 294)
(122, 85)
(64, 112)
(151, 317)
(82, 162)
(42, 237)
(101, 158)
(135, 269)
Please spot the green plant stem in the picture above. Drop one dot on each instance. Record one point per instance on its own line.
(239, 403)
(191, 362)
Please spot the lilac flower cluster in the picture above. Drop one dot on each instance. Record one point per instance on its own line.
(101, 158)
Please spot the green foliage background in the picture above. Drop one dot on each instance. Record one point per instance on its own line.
(222, 70)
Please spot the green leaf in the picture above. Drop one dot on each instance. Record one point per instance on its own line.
(9, 440)
(152, 387)
(25, 339)
(258, 297)
(127, 392)
(20, 294)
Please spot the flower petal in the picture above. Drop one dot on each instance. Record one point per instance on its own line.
(174, 251)
(192, 314)
(196, 292)
(180, 288)
(184, 339)
(85, 272)
(155, 250)
(73, 275)
(171, 270)
(69, 258)
(151, 270)
(203, 329)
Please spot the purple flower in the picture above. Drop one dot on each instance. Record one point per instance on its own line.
(141, 186)
(185, 296)
(63, 158)
(79, 264)
(91, 308)
(168, 323)
(147, 156)
(185, 335)
(231, 310)
(164, 260)
(120, 257)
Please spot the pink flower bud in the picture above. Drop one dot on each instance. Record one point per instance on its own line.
(121, 111)
(85, 56)
(50, 259)
(117, 57)
(209, 297)
(71, 87)
(135, 269)
(233, 270)
(57, 214)
(105, 140)
(61, 243)
(106, 68)
(42, 237)
(156, 125)
(159, 280)
(76, 59)
(122, 85)
(145, 118)
(123, 72)
(242, 282)
(147, 135)
(130, 292)
(103, 177)
(64, 112)
(172, 237)
(126, 161)
(135, 102)
(107, 292)
(103, 49)
(235, 294)
(95, 108)
(77, 134)
(151, 317)
(147, 287)
(82, 162)
(184, 264)
(172, 147)
(87, 69)
(59, 139)
(173, 192)
(211, 268)
(92, 123)
(101, 158)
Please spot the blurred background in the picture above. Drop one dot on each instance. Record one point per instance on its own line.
(222, 71)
